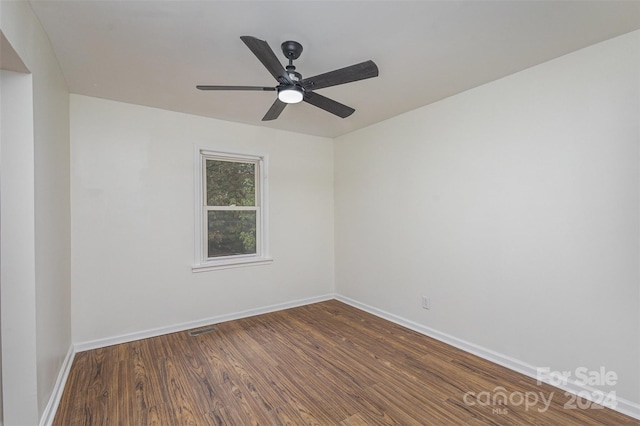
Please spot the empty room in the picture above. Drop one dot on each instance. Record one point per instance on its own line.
(319, 212)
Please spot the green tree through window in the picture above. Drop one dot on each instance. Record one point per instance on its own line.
(232, 207)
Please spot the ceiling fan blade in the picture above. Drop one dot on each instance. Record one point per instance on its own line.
(258, 88)
(275, 110)
(328, 105)
(355, 72)
(263, 52)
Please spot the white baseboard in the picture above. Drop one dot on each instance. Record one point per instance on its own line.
(52, 406)
(101, 343)
(621, 405)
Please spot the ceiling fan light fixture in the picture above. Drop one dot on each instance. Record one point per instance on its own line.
(290, 95)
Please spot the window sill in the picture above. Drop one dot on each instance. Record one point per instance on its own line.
(231, 263)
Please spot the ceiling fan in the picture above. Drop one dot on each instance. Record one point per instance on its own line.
(292, 88)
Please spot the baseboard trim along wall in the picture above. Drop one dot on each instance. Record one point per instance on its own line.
(620, 405)
(115, 340)
(52, 406)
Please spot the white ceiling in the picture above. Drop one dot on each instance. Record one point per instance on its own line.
(153, 53)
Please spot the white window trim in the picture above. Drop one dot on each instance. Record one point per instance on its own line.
(262, 257)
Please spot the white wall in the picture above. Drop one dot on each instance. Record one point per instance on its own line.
(514, 207)
(40, 314)
(132, 180)
(17, 218)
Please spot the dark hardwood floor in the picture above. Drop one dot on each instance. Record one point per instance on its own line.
(326, 364)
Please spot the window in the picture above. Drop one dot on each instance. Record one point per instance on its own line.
(231, 210)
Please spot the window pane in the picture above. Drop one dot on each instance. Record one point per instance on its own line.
(231, 183)
(231, 233)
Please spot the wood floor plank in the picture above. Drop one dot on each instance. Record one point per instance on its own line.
(226, 398)
(321, 364)
(142, 364)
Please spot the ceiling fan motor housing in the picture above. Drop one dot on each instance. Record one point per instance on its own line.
(295, 76)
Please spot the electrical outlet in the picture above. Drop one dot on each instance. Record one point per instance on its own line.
(426, 302)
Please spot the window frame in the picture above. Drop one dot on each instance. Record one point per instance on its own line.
(202, 262)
